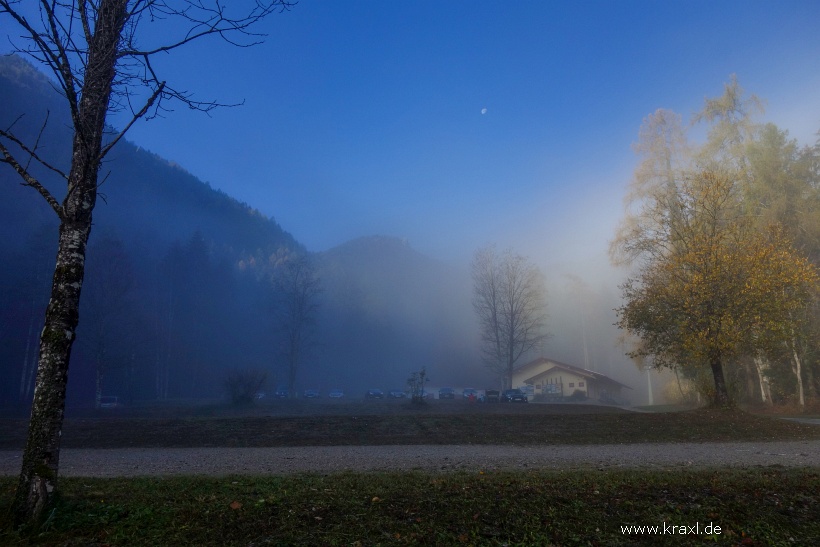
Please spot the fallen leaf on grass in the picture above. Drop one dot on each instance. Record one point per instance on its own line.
(235, 505)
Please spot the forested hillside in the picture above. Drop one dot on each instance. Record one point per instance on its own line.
(178, 286)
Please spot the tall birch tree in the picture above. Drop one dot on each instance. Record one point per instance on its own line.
(92, 48)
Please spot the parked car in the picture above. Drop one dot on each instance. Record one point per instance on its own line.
(396, 394)
(447, 393)
(336, 394)
(110, 401)
(311, 394)
(514, 396)
(470, 393)
(281, 392)
(374, 394)
(492, 395)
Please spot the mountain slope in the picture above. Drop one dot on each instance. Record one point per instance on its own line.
(190, 311)
(143, 196)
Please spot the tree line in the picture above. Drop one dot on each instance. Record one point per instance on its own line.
(159, 325)
(723, 242)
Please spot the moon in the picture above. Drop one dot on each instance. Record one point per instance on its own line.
(483, 110)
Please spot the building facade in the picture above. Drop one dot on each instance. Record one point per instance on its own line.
(547, 379)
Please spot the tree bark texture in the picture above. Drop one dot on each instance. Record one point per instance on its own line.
(721, 391)
(797, 368)
(765, 390)
(38, 475)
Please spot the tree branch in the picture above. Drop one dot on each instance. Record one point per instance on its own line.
(32, 153)
(51, 51)
(136, 116)
(30, 180)
(209, 21)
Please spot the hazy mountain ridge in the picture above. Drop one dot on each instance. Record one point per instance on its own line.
(193, 313)
(139, 192)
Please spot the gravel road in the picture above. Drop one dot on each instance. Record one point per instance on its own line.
(331, 459)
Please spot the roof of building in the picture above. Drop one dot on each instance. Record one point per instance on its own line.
(591, 374)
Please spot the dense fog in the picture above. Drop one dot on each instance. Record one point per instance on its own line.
(179, 290)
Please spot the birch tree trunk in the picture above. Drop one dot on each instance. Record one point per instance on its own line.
(82, 44)
(797, 368)
(41, 458)
(765, 390)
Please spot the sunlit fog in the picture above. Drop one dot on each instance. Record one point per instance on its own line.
(378, 147)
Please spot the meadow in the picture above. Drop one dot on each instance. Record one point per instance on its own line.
(689, 506)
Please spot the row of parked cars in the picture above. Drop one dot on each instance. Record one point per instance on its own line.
(487, 395)
(379, 394)
(282, 393)
(469, 394)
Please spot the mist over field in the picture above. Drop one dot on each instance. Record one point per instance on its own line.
(385, 156)
(179, 294)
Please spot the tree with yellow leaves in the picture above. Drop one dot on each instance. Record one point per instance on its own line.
(710, 287)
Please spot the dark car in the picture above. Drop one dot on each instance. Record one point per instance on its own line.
(374, 394)
(492, 395)
(311, 394)
(447, 393)
(281, 392)
(336, 394)
(396, 394)
(514, 396)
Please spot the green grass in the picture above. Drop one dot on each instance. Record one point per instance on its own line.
(772, 506)
(756, 506)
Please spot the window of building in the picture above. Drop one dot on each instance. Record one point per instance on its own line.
(572, 384)
(580, 384)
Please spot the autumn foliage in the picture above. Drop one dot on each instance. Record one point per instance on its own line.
(718, 288)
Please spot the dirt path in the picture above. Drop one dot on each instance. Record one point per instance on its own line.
(331, 459)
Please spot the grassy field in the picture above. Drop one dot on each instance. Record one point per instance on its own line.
(758, 506)
(300, 423)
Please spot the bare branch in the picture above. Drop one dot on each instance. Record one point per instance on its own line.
(48, 49)
(32, 153)
(136, 116)
(30, 180)
(209, 21)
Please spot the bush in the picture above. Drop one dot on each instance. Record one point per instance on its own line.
(578, 395)
(416, 385)
(244, 385)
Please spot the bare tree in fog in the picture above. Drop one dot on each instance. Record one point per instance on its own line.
(509, 297)
(298, 288)
(92, 48)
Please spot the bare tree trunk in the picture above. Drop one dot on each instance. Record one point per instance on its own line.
(797, 368)
(765, 389)
(721, 391)
(81, 43)
(38, 474)
(41, 457)
(29, 362)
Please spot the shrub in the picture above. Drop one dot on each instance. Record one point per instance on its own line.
(244, 385)
(416, 385)
(578, 395)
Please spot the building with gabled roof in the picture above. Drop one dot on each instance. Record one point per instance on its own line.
(549, 379)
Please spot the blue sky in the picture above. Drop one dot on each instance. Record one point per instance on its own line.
(365, 117)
